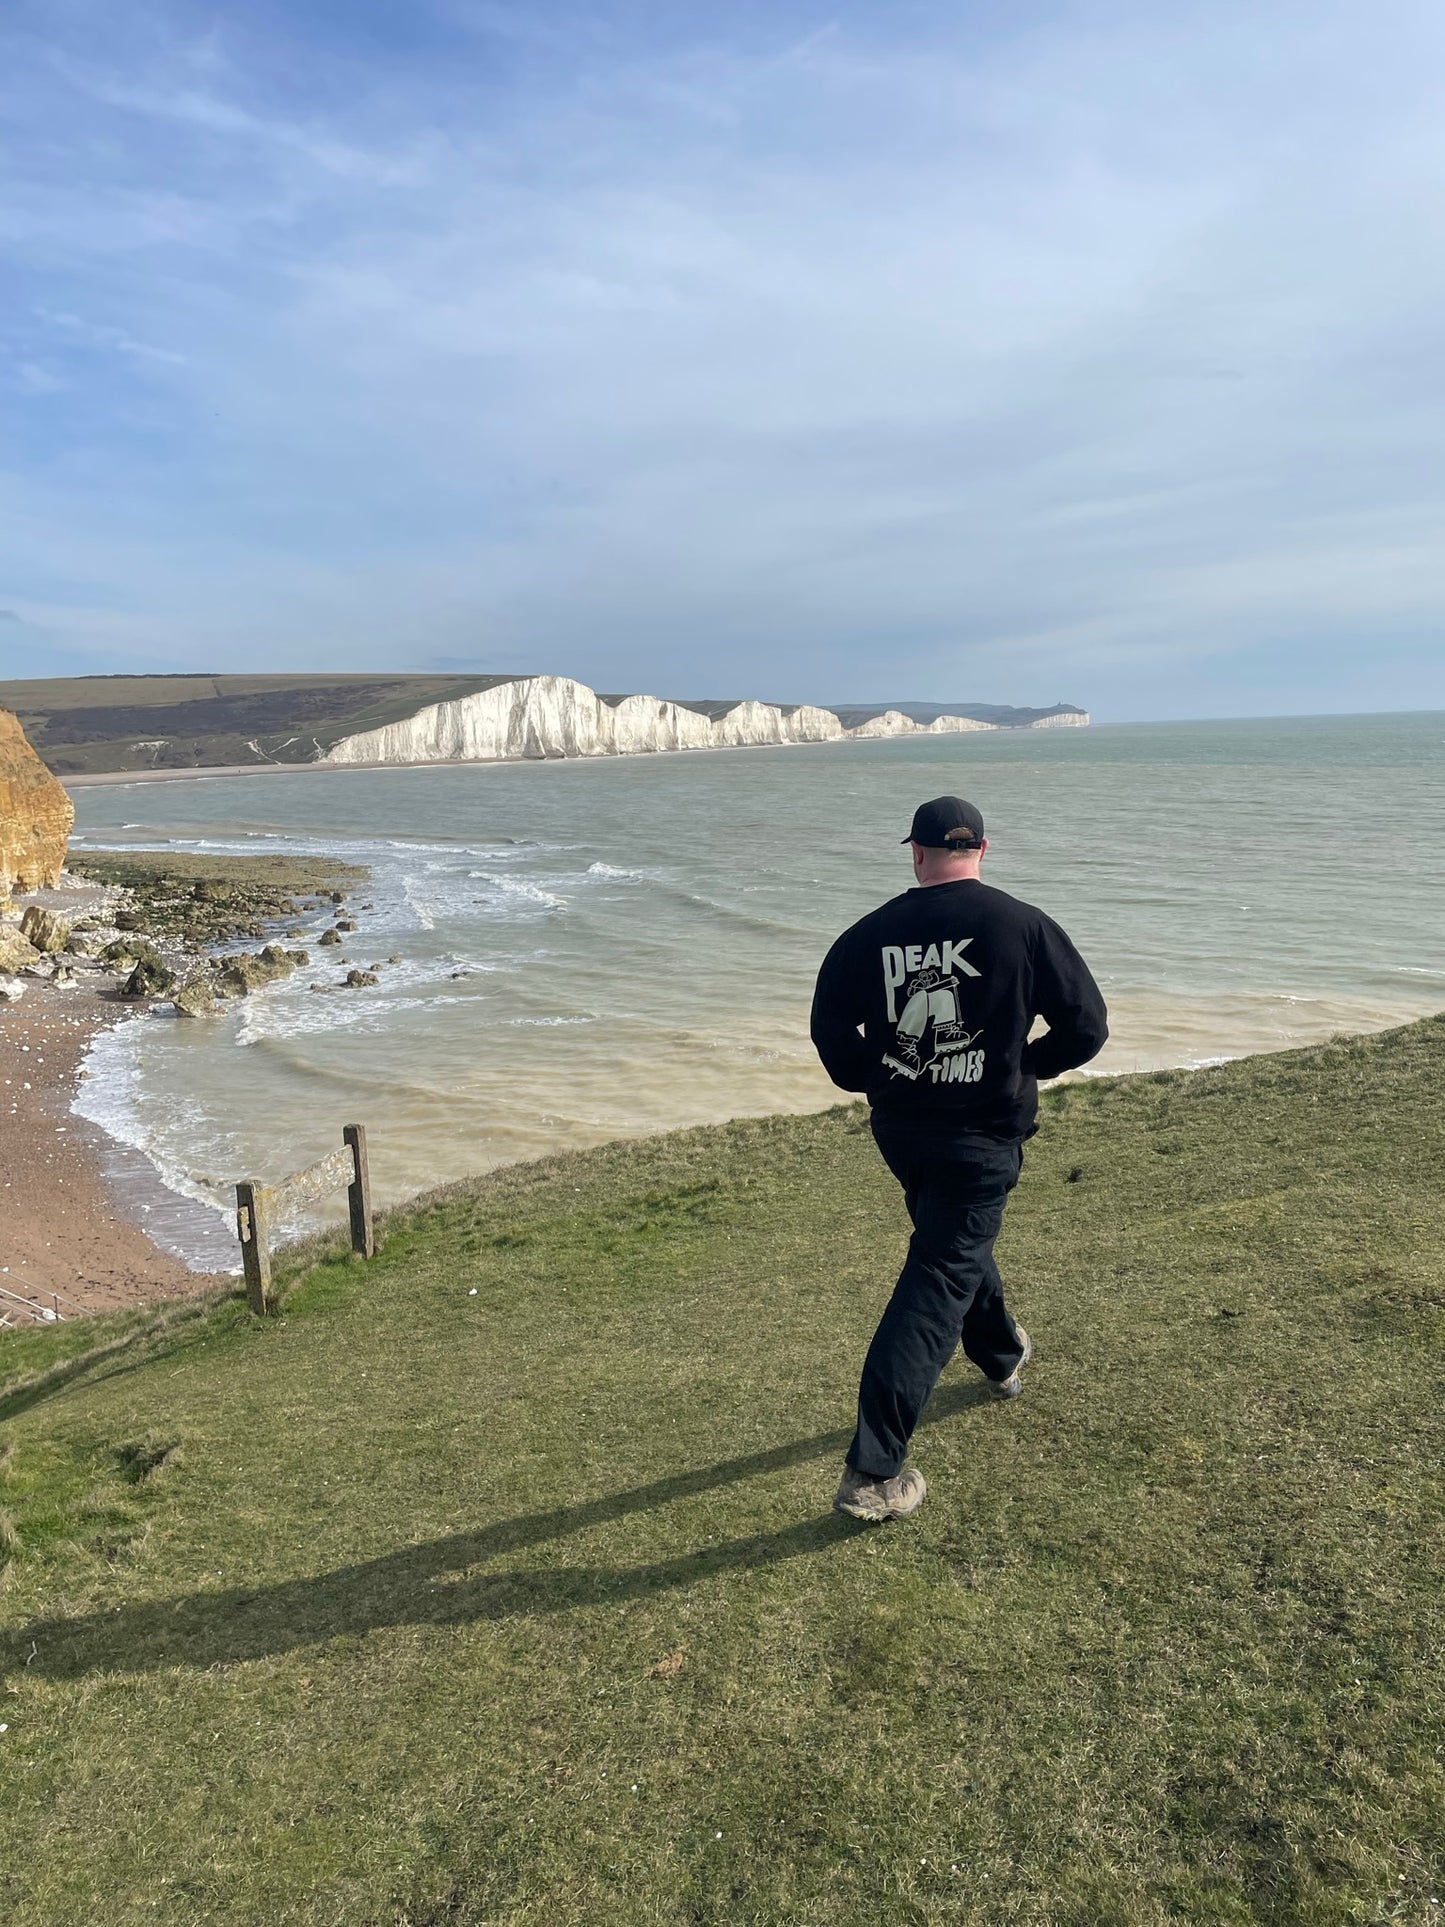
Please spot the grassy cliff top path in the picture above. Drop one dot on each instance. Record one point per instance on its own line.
(496, 1580)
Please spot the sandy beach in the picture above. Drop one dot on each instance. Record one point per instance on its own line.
(63, 1244)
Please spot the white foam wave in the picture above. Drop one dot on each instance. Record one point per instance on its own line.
(110, 1097)
(294, 1009)
(419, 909)
(524, 892)
(357, 1012)
(551, 1023)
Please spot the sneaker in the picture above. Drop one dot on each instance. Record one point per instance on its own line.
(1011, 1386)
(879, 1499)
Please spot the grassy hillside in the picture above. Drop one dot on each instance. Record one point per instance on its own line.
(496, 1581)
(95, 723)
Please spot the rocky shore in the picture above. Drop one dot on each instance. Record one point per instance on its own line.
(127, 935)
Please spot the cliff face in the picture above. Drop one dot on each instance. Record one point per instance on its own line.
(36, 815)
(539, 716)
(893, 722)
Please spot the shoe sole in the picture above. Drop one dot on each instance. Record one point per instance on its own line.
(1011, 1386)
(879, 1518)
(862, 1512)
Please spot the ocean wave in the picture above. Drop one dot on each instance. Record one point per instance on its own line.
(430, 900)
(420, 910)
(357, 1012)
(751, 918)
(239, 839)
(499, 851)
(744, 919)
(294, 1009)
(550, 1023)
(109, 1096)
(357, 1084)
(519, 887)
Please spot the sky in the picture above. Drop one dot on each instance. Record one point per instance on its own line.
(997, 353)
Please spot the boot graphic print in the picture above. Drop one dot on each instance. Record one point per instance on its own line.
(930, 1028)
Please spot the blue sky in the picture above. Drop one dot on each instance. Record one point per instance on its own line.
(1005, 353)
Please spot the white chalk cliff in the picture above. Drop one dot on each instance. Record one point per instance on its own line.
(539, 716)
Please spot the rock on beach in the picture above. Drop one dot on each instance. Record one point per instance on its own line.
(45, 929)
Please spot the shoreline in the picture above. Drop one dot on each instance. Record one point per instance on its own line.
(99, 779)
(87, 1220)
(66, 1243)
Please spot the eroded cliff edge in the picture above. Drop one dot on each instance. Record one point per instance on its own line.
(36, 815)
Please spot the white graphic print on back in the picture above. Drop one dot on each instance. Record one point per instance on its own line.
(929, 1033)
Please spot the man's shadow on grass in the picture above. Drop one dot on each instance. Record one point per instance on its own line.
(435, 1584)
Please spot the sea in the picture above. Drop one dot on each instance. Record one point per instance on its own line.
(606, 948)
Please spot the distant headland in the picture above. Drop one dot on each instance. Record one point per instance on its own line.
(114, 725)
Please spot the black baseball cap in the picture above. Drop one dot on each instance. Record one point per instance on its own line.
(947, 823)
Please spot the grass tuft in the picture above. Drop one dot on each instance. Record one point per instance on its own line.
(143, 1458)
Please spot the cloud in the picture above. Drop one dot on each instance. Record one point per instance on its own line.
(818, 354)
(192, 108)
(74, 330)
(35, 378)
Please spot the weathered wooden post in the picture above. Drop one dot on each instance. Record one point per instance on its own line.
(358, 1194)
(252, 1229)
(258, 1206)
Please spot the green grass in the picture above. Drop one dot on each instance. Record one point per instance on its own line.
(413, 1606)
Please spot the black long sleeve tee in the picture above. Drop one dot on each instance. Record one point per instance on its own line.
(926, 1004)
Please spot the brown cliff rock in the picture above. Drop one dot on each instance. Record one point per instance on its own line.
(35, 815)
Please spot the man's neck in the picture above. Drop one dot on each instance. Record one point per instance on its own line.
(949, 873)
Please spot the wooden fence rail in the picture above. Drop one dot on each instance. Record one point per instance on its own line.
(259, 1206)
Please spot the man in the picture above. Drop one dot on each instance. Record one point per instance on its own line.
(945, 982)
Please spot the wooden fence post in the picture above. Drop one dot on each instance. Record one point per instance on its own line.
(252, 1229)
(257, 1205)
(358, 1195)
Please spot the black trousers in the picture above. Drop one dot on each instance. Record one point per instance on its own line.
(948, 1293)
